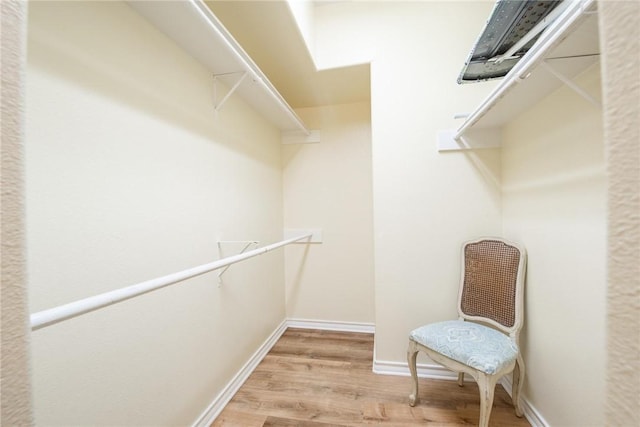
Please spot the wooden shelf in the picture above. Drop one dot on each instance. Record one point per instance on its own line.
(192, 25)
(569, 46)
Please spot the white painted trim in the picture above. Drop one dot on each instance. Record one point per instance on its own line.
(329, 325)
(221, 400)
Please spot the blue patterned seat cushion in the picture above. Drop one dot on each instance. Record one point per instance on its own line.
(475, 345)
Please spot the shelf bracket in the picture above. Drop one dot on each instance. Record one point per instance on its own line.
(316, 234)
(449, 140)
(299, 137)
(248, 244)
(218, 105)
(570, 83)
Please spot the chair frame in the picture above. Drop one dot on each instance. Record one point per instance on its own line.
(486, 382)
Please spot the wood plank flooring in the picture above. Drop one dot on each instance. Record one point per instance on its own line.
(320, 378)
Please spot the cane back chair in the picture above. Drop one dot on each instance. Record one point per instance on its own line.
(483, 342)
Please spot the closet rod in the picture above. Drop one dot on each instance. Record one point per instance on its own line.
(64, 312)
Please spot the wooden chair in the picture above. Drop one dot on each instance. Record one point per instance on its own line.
(483, 342)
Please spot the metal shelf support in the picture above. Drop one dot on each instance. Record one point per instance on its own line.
(248, 244)
(570, 83)
(218, 105)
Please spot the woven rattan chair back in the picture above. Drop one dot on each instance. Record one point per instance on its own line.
(490, 288)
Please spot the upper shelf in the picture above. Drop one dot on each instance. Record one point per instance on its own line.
(568, 46)
(196, 29)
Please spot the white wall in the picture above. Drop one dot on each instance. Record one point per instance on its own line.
(130, 176)
(328, 186)
(548, 180)
(554, 202)
(425, 203)
(303, 15)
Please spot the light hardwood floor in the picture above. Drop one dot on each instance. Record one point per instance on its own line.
(319, 378)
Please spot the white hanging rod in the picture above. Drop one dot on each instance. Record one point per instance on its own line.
(64, 312)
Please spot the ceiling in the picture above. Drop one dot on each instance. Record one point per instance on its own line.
(266, 30)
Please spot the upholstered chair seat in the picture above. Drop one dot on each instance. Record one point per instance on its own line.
(475, 345)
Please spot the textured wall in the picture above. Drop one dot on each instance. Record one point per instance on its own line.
(620, 40)
(16, 393)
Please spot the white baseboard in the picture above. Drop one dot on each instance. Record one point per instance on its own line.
(328, 325)
(221, 400)
(530, 413)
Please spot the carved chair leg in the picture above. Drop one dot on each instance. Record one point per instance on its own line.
(460, 379)
(412, 353)
(487, 385)
(518, 380)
